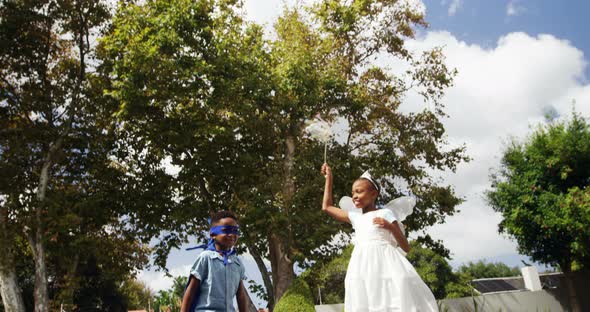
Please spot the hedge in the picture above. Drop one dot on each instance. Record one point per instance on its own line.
(297, 298)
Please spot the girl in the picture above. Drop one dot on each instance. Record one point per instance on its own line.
(379, 277)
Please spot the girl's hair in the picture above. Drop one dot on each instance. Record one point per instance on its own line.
(221, 215)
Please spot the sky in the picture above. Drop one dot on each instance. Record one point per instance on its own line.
(515, 61)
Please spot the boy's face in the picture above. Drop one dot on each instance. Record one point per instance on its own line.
(226, 241)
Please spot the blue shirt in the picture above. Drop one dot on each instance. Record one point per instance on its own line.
(218, 283)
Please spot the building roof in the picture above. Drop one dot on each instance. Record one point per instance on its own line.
(516, 283)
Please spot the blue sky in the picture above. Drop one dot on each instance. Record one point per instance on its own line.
(515, 59)
(482, 22)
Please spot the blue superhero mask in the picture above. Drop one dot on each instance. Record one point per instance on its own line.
(225, 229)
(216, 230)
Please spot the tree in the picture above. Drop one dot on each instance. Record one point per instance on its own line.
(202, 88)
(63, 194)
(482, 269)
(326, 279)
(43, 85)
(436, 272)
(171, 298)
(167, 301)
(178, 286)
(542, 190)
(137, 294)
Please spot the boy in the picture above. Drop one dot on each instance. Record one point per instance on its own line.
(216, 277)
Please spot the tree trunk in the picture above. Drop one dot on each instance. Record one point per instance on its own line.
(11, 294)
(251, 306)
(38, 250)
(41, 296)
(279, 247)
(265, 277)
(282, 267)
(571, 290)
(288, 183)
(36, 239)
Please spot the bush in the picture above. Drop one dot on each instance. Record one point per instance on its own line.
(329, 278)
(436, 272)
(297, 298)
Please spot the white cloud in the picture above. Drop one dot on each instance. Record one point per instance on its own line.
(264, 11)
(454, 7)
(498, 94)
(157, 280)
(513, 9)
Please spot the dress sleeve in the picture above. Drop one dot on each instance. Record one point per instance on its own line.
(389, 216)
(353, 216)
(200, 267)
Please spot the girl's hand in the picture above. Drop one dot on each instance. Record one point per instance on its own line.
(326, 171)
(327, 206)
(396, 230)
(382, 223)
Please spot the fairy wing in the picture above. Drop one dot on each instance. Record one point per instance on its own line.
(401, 207)
(347, 204)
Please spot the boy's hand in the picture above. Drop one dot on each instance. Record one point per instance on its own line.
(382, 223)
(326, 171)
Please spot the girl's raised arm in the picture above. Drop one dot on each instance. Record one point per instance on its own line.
(327, 204)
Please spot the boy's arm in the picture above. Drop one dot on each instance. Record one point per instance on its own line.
(242, 298)
(189, 294)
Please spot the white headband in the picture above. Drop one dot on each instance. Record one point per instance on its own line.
(367, 175)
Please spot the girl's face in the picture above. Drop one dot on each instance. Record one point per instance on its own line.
(226, 241)
(363, 193)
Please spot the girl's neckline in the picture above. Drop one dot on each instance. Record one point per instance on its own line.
(370, 211)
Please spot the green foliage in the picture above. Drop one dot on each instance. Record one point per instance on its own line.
(100, 291)
(437, 273)
(96, 282)
(297, 298)
(63, 184)
(258, 290)
(165, 300)
(481, 269)
(542, 190)
(25, 269)
(178, 286)
(200, 87)
(186, 76)
(328, 278)
(171, 298)
(136, 294)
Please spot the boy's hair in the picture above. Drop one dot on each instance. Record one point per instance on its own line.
(223, 214)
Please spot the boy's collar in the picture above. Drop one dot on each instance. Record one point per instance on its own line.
(216, 255)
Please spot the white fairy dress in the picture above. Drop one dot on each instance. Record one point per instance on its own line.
(379, 277)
